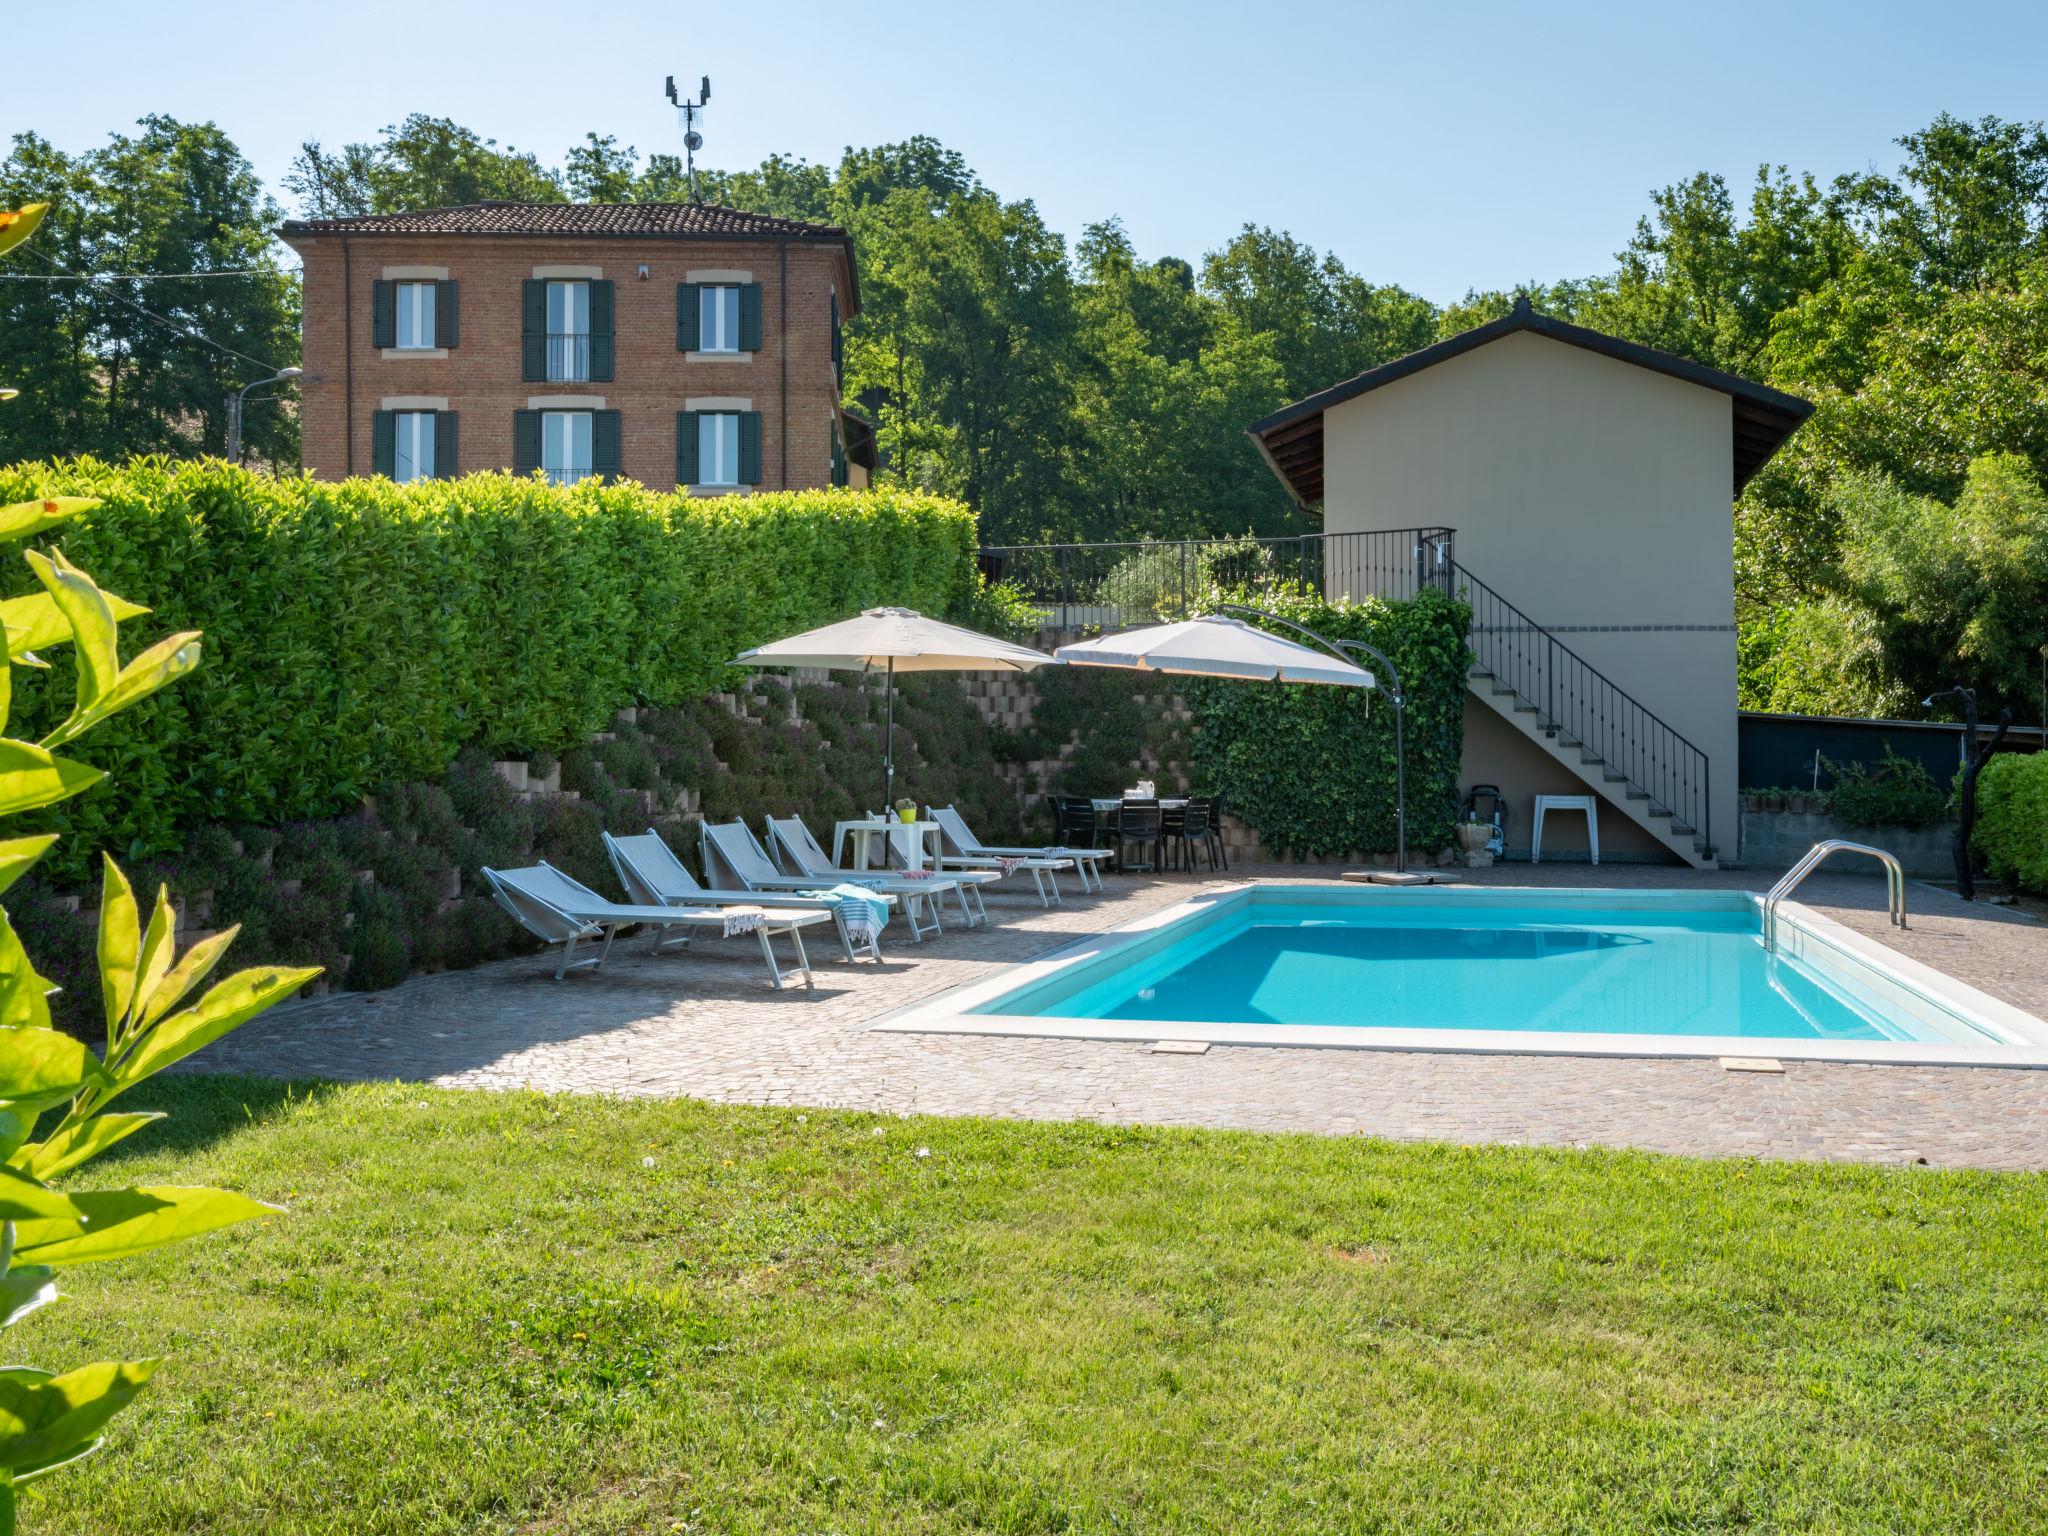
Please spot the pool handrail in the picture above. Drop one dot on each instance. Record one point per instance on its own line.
(1894, 879)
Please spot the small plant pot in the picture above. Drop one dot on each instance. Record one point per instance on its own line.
(1473, 837)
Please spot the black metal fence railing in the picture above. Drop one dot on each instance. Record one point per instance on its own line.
(1112, 586)
(568, 357)
(1108, 586)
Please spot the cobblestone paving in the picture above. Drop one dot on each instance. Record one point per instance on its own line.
(705, 1026)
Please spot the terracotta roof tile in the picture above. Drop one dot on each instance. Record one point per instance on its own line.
(685, 221)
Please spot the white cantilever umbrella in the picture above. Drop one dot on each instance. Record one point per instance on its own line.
(892, 640)
(1214, 646)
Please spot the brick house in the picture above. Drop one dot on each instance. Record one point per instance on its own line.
(669, 343)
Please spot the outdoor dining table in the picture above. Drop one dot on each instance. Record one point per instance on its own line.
(1110, 806)
(906, 837)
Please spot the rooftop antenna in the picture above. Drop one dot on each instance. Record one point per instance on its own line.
(689, 111)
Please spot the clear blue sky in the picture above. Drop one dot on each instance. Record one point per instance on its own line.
(1476, 146)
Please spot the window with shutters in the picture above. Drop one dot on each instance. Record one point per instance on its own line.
(412, 446)
(415, 317)
(718, 317)
(718, 448)
(568, 336)
(565, 446)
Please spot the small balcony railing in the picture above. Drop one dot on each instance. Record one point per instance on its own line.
(567, 474)
(568, 357)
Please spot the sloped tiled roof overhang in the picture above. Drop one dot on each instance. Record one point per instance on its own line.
(641, 221)
(1292, 437)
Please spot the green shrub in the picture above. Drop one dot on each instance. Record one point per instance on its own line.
(1900, 793)
(1311, 768)
(999, 608)
(361, 633)
(2011, 836)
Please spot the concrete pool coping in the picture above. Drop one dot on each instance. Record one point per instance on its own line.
(1810, 936)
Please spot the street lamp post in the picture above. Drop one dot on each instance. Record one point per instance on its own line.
(234, 454)
(1394, 697)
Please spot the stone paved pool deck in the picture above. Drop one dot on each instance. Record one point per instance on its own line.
(704, 1026)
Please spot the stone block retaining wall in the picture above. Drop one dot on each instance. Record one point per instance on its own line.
(1778, 839)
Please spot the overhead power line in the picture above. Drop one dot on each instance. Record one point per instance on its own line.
(186, 331)
(139, 277)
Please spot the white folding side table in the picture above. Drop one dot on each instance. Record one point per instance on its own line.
(1590, 804)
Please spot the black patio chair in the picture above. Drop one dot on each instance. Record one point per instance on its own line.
(1212, 806)
(1073, 821)
(1188, 829)
(1138, 826)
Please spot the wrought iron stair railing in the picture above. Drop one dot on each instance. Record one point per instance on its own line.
(1635, 752)
(1578, 706)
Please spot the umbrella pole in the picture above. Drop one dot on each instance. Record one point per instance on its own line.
(889, 746)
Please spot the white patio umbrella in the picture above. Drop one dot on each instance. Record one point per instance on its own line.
(892, 640)
(1214, 646)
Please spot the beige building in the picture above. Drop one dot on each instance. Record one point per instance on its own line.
(1586, 485)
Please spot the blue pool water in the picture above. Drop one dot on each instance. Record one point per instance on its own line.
(1685, 970)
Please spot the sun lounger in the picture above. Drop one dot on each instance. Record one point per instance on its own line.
(558, 910)
(954, 832)
(791, 842)
(653, 876)
(735, 860)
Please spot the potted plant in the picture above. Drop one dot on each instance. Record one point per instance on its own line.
(1473, 837)
(906, 810)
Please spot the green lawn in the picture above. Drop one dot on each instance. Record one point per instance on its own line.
(486, 1313)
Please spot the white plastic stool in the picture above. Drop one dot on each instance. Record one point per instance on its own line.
(1587, 803)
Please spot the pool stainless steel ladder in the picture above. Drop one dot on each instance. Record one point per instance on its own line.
(1894, 880)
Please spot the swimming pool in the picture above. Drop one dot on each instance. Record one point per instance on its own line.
(1447, 968)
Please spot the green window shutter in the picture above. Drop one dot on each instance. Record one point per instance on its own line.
(689, 317)
(383, 314)
(838, 457)
(750, 447)
(601, 350)
(686, 447)
(604, 444)
(533, 337)
(447, 319)
(525, 442)
(383, 442)
(750, 317)
(446, 457)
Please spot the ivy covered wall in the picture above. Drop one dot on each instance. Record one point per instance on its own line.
(1311, 768)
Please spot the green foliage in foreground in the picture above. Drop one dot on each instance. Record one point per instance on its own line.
(1311, 767)
(360, 633)
(54, 1093)
(489, 1313)
(2012, 819)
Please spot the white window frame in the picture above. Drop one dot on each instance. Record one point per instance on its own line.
(558, 433)
(416, 306)
(415, 435)
(718, 318)
(568, 363)
(718, 449)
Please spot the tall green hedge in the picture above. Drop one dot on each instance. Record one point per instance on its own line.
(361, 632)
(1311, 767)
(2012, 819)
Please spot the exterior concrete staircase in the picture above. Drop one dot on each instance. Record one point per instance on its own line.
(1578, 717)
